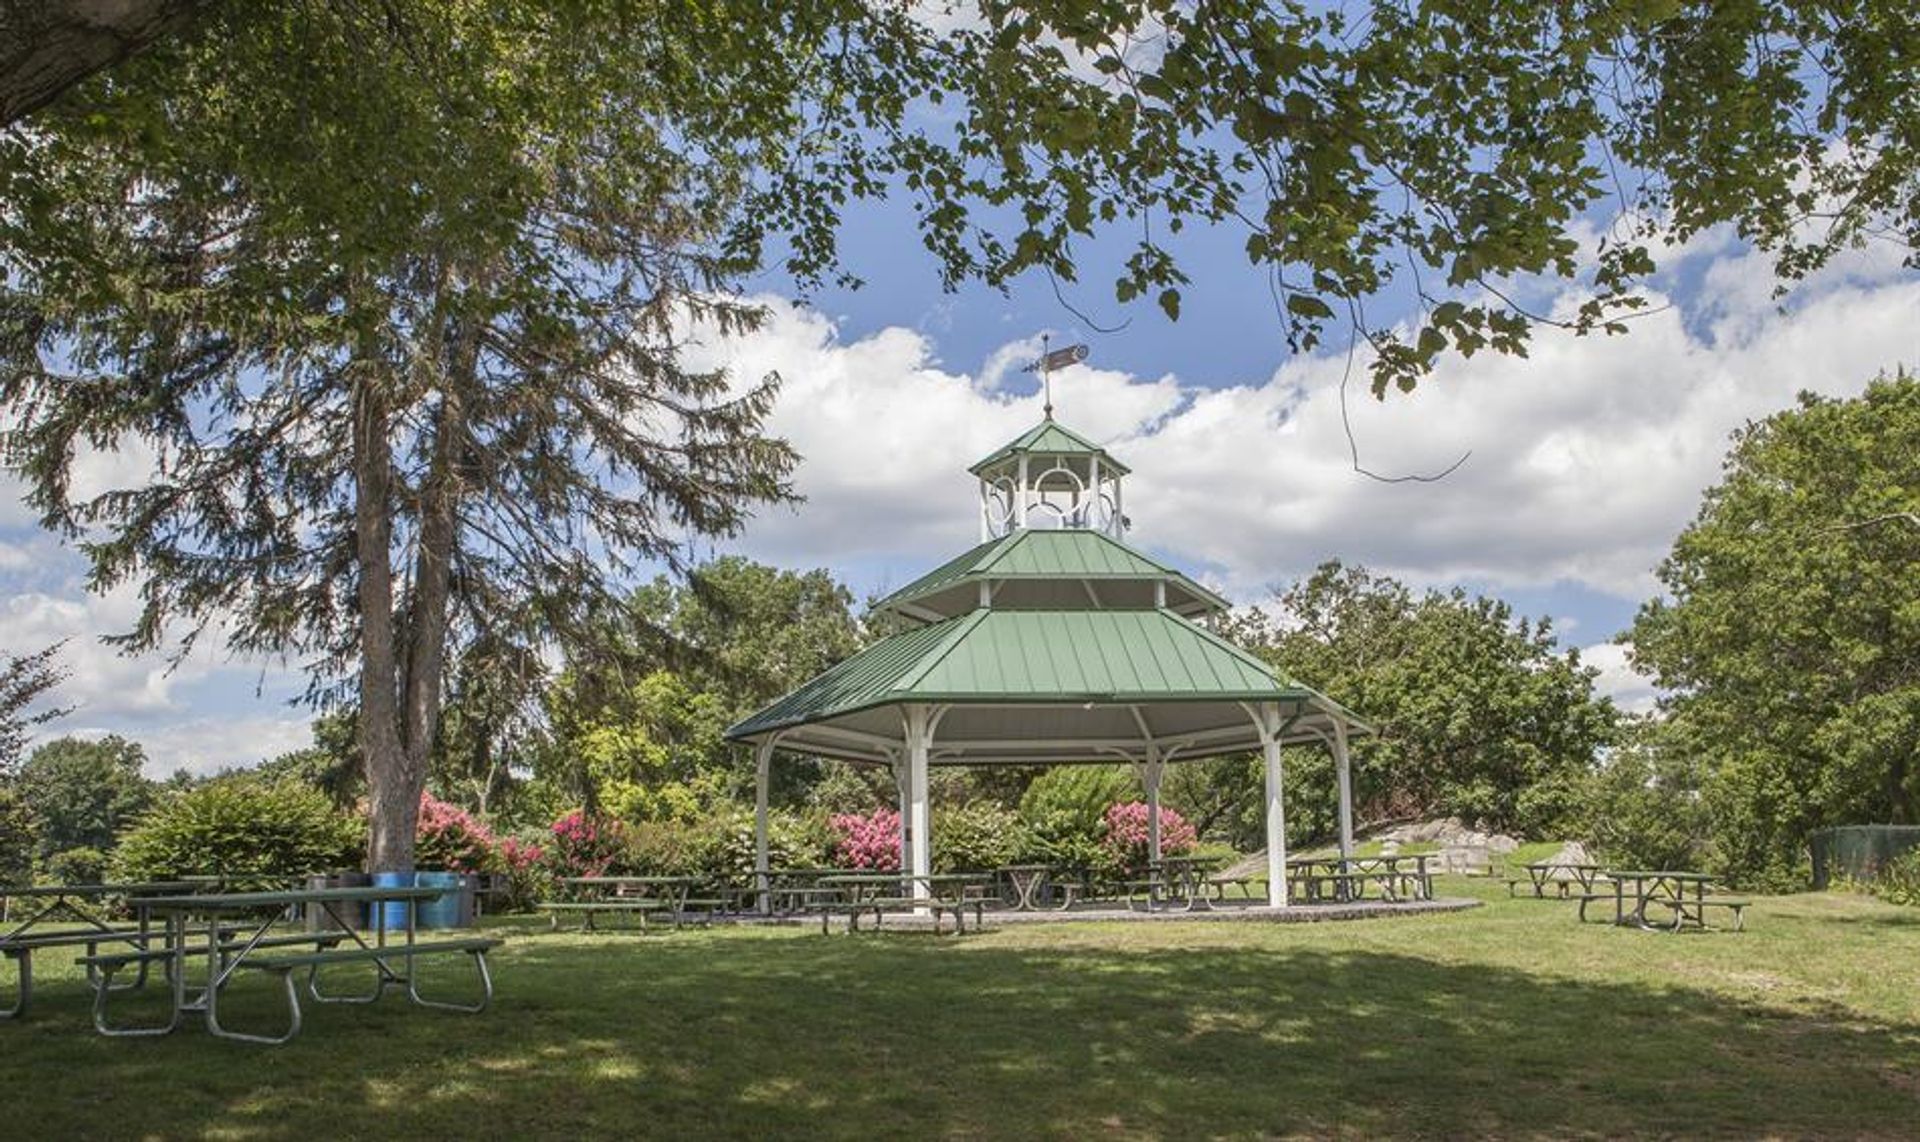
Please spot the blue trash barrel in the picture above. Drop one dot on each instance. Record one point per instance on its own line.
(445, 911)
(392, 913)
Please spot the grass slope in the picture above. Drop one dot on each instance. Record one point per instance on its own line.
(1509, 1021)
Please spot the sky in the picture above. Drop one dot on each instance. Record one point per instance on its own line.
(1582, 460)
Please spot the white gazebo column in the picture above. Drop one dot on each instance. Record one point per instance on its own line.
(1267, 718)
(1150, 777)
(762, 766)
(903, 783)
(916, 823)
(1343, 772)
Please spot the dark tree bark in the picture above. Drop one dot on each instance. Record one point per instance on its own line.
(47, 46)
(395, 803)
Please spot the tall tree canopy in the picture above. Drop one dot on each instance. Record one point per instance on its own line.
(638, 719)
(392, 291)
(81, 793)
(1790, 640)
(25, 682)
(1480, 714)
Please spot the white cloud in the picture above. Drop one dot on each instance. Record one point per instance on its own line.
(100, 680)
(202, 745)
(1629, 689)
(1588, 456)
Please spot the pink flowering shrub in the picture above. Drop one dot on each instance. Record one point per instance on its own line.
(1126, 834)
(585, 846)
(526, 879)
(518, 855)
(870, 841)
(448, 837)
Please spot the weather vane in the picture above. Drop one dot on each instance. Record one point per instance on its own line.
(1049, 361)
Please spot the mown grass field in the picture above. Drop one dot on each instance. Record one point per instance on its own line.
(1508, 1021)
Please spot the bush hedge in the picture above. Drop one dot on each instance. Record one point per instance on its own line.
(240, 826)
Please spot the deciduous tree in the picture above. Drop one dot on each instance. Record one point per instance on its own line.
(1789, 640)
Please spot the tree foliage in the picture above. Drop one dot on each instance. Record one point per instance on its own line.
(636, 722)
(243, 827)
(392, 292)
(25, 680)
(397, 318)
(1480, 714)
(1790, 640)
(82, 793)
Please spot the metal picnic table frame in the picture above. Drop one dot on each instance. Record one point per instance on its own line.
(1182, 878)
(227, 957)
(1648, 888)
(1386, 871)
(866, 890)
(17, 944)
(1027, 882)
(671, 891)
(1541, 873)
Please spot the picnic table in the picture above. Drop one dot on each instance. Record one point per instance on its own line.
(198, 926)
(1561, 875)
(790, 890)
(67, 901)
(1181, 879)
(636, 896)
(1683, 894)
(1346, 879)
(1028, 883)
(882, 892)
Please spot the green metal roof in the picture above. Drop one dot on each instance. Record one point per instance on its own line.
(1050, 438)
(1003, 657)
(1066, 553)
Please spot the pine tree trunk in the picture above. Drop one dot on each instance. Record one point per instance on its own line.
(393, 795)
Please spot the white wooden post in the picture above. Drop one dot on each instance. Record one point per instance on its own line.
(1343, 773)
(762, 766)
(916, 824)
(1020, 509)
(1150, 777)
(903, 781)
(1267, 718)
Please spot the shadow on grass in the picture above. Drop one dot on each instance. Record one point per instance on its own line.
(722, 1036)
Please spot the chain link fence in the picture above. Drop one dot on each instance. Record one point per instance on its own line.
(1858, 852)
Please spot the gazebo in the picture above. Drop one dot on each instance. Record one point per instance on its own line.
(1051, 643)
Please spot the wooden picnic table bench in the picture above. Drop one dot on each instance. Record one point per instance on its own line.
(1684, 894)
(1561, 876)
(638, 896)
(638, 906)
(881, 893)
(1347, 887)
(1694, 911)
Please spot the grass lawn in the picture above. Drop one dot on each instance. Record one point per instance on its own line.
(1508, 1021)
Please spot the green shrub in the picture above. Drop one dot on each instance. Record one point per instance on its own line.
(241, 826)
(1062, 839)
(77, 866)
(975, 837)
(16, 838)
(1899, 880)
(1078, 793)
(720, 846)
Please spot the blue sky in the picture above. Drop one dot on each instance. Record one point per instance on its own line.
(1586, 458)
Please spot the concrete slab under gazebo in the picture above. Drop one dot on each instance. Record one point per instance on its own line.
(1051, 643)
